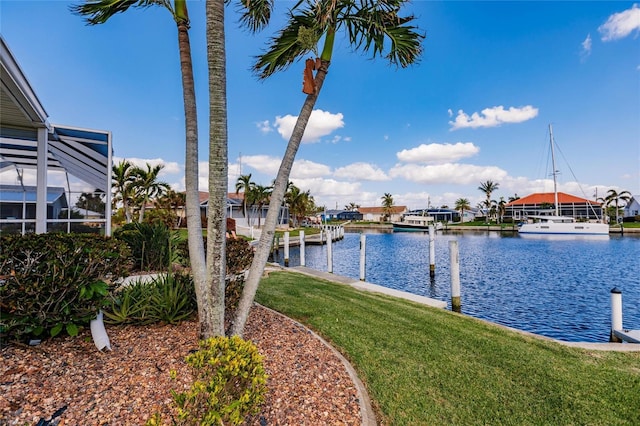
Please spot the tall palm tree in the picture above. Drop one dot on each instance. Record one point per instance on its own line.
(501, 209)
(488, 187)
(614, 197)
(259, 197)
(387, 205)
(462, 204)
(122, 180)
(245, 185)
(99, 12)
(147, 185)
(370, 26)
(298, 202)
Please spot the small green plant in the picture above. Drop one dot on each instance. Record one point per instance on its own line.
(229, 383)
(170, 298)
(152, 245)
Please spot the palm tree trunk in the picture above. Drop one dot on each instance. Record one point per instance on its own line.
(212, 319)
(277, 197)
(192, 202)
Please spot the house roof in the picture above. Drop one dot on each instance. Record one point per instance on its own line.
(381, 210)
(548, 197)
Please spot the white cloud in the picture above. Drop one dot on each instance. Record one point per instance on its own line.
(438, 153)
(361, 171)
(449, 173)
(620, 25)
(264, 126)
(303, 169)
(492, 117)
(321, 123)
(262, 163)
(170, 167)
(586, 47)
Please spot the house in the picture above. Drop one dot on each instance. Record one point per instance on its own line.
(255, 214)
(376, 214)
(632, 209)
(439, 215)
(542, 204)
(19, 202)
(341, 215)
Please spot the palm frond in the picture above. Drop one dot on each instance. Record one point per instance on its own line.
(377, 27)
(255, 14)
(99, 11)
(285, 48)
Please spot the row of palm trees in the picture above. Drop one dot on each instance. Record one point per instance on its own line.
(300, 203)
(135, 187)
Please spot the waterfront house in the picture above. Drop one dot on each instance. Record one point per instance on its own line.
(341, 215)
(632, 209)
(256, 214)
(376, 214)
(542, 204)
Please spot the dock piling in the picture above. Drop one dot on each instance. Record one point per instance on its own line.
(616, 314)
(329, 252)
(286, 248)
(432, 251)
(456, 305)
(302, 259)
(363, 250)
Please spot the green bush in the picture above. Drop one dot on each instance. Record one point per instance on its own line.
(170, 298)
(54, 282)
(152, 245)
(229, 383)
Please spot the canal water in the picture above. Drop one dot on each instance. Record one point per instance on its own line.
(558, 288)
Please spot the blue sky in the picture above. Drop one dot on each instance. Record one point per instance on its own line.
(477, 106)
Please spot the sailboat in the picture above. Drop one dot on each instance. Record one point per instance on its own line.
(557, 224)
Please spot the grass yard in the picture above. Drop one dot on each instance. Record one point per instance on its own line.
(427, 366)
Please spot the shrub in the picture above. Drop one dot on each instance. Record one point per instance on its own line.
(50, 282)
(229, 383)
(170, 299)
(151, 245)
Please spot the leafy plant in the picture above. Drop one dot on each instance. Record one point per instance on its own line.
(55, 282)
(170, 298)
(229, 383)
(152, 245)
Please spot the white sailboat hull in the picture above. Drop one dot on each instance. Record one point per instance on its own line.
(564, 228)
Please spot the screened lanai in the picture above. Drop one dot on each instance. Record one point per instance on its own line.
(29, 144)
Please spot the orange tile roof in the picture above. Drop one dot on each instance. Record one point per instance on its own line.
(204, 196)
(548, 197)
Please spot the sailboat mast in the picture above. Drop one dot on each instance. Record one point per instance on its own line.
(555, 172)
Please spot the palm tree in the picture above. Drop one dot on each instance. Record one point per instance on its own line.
(122, 180)
(387, 205)
(502, 209)
(614, 197)
(245, 185)
(98, 12)
(298, 202)
(147, 185)
(369, 25)
(488, 187)
(259, 197)
(462, 204)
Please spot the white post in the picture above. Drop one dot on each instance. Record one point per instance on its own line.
(286, 248)
(616, 314)
(455, 276)
(302, 260)
(432, 251)
(363, 251)
(329, 253)
(41, 180)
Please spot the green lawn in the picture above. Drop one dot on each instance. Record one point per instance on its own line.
(429, 366)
